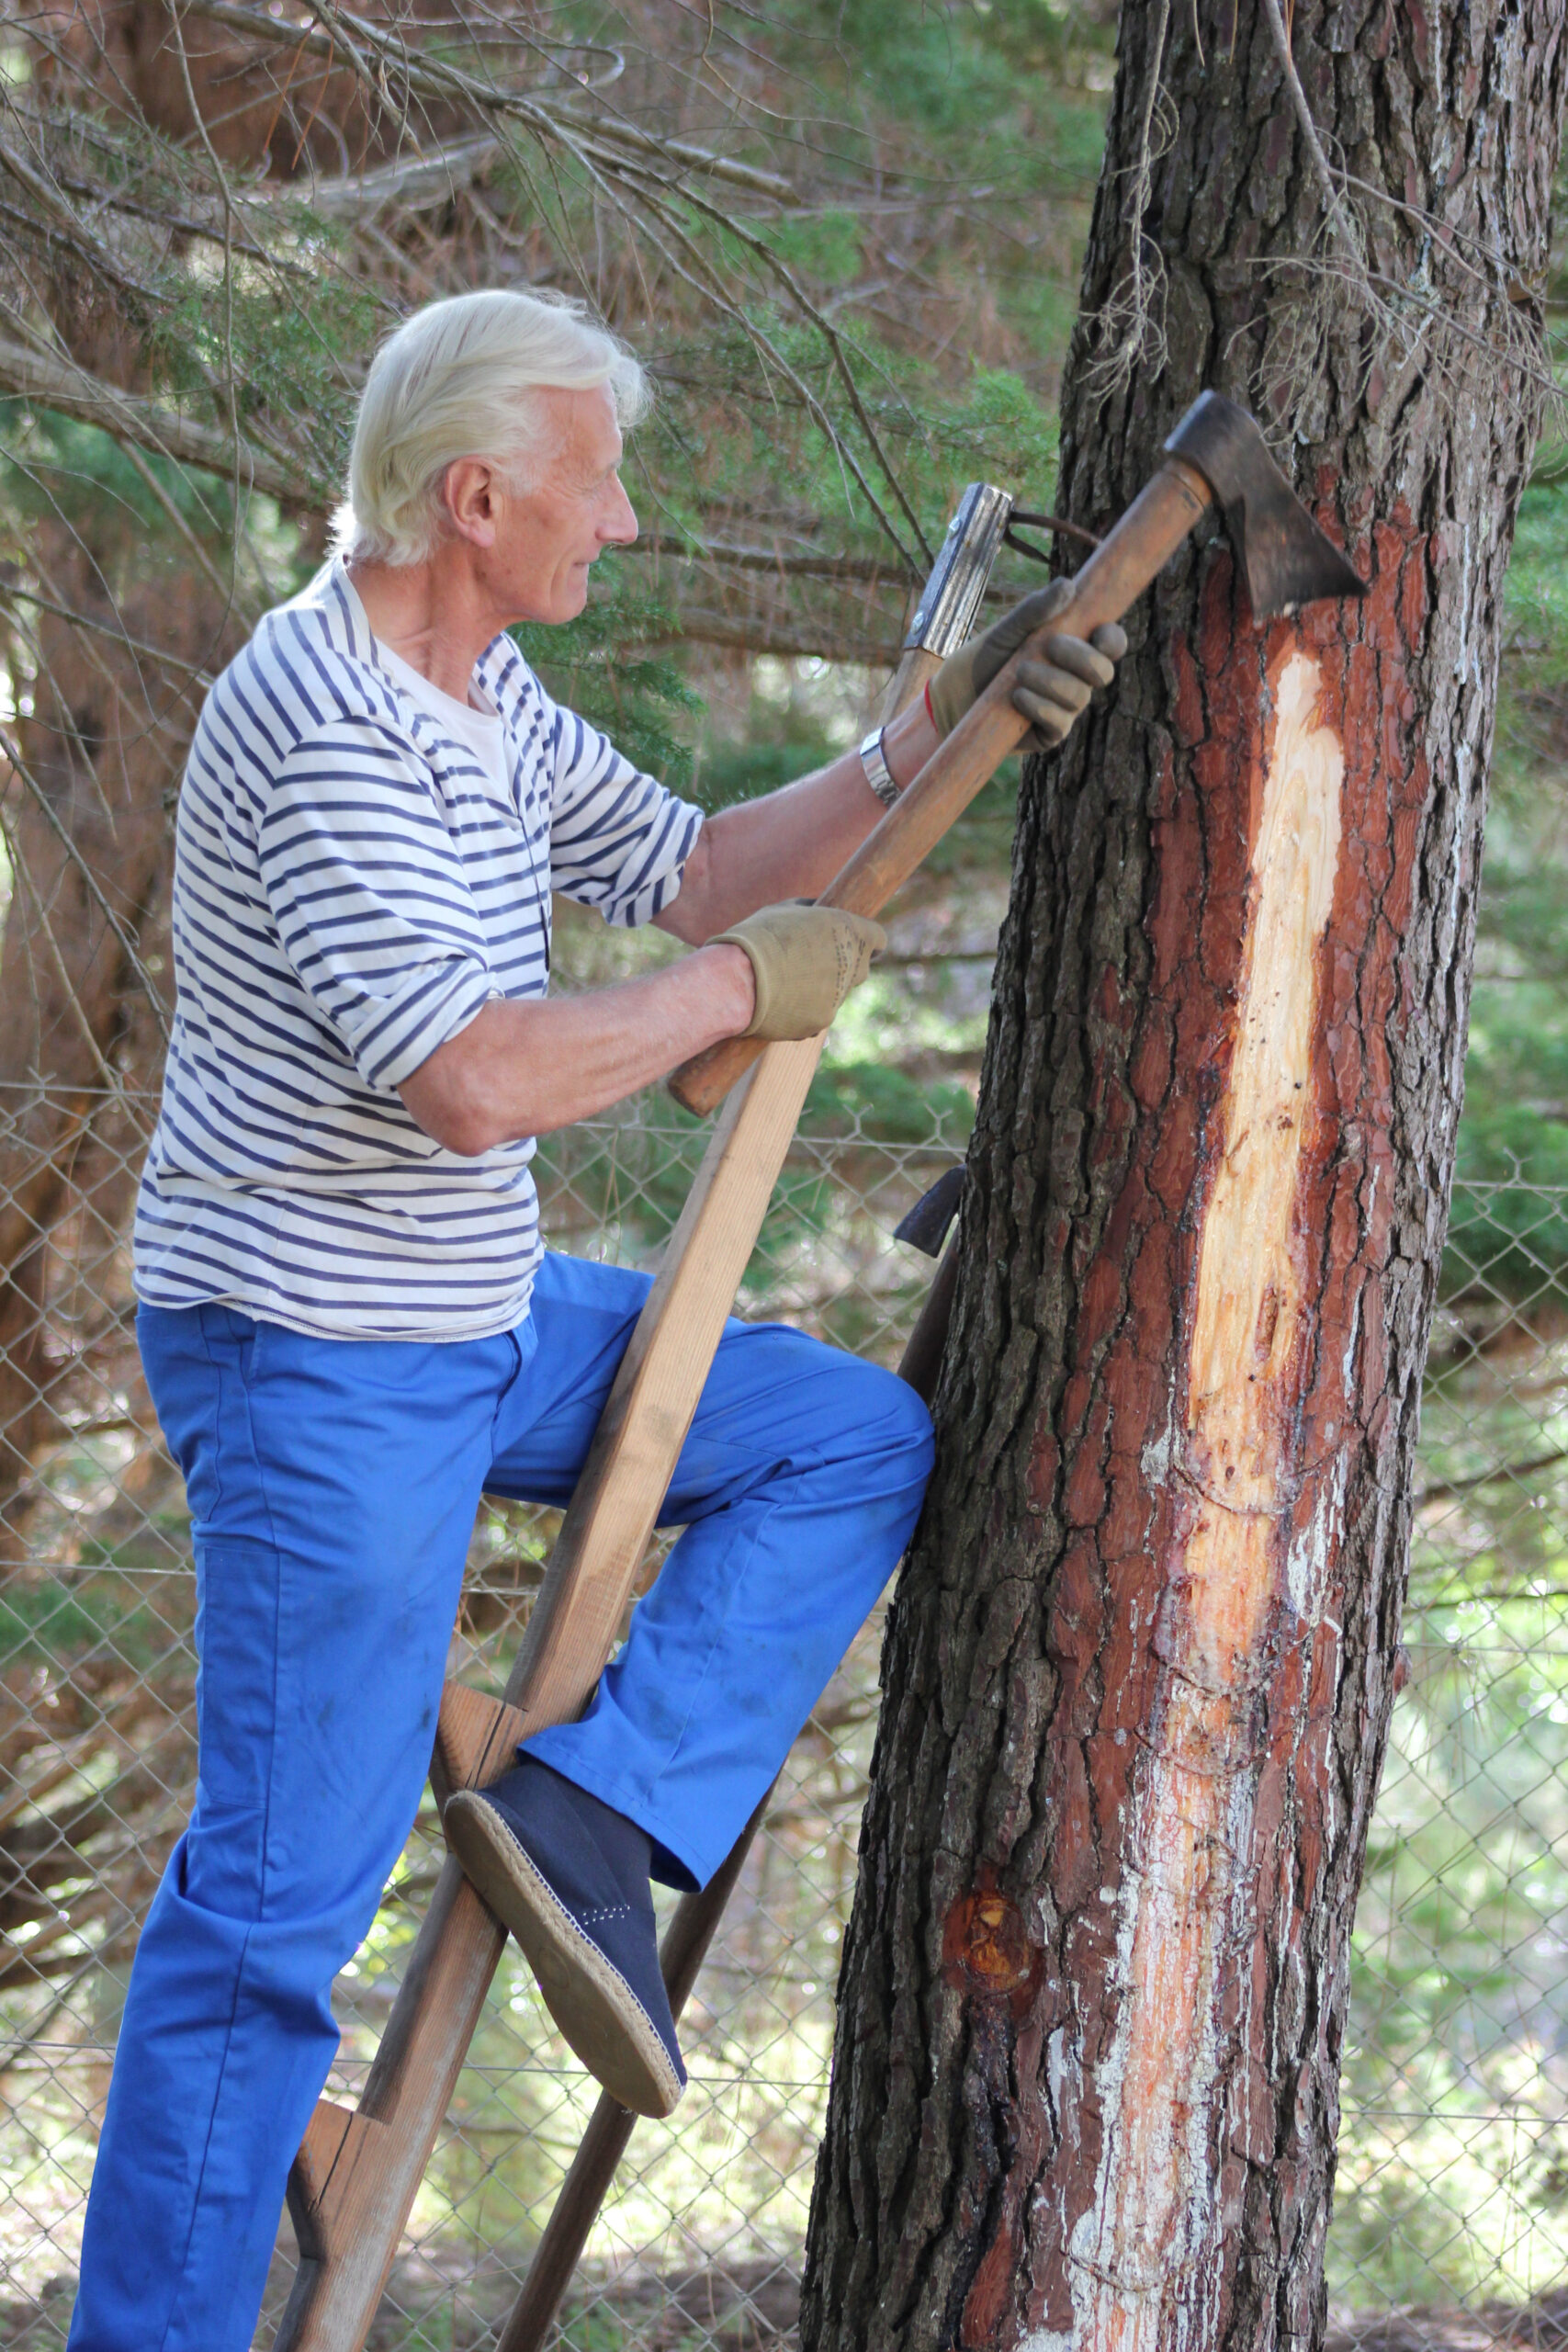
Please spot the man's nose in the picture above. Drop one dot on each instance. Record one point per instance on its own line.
(618, 528)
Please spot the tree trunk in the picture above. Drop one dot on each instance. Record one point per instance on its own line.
(87, 823)
(1139, 1672)
(113, 656)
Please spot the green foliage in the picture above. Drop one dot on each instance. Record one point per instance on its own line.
(733, 771)
(137, 512)
(1014, 80)
(53, 464)
(880, 1101)
(1001, 423)
(83, 1617)
(292, 338)
(826, 247)
(780, 741)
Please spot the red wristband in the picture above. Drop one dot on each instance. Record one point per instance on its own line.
(926, 696)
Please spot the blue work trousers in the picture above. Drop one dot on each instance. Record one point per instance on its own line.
(333, 1487)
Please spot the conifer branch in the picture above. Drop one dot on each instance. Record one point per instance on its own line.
(59, 384)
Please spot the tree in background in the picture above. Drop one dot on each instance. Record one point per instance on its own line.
(210, 216)
(1141, 1664)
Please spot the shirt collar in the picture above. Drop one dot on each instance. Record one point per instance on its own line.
(338, 598)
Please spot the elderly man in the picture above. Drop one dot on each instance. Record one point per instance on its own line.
(350, 1326)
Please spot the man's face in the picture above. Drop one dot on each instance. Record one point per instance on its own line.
(545, 538)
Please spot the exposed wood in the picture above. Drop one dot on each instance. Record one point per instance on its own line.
(1241, 1459)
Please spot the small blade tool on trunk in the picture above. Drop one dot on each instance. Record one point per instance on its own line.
(1216, 455)
(925, 1226)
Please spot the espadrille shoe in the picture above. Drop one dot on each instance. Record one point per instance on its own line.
(569, 1876)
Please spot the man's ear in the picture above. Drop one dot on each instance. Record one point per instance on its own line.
(470, 491)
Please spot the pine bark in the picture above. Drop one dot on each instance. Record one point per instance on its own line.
(87, 824)
(1139, 1670)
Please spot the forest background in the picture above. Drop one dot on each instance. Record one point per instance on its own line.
(846, 240)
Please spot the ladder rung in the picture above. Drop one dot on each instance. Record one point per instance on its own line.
(333, 2134)
(474, 1738)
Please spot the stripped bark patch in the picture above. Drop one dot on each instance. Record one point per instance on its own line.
(1233, 1471)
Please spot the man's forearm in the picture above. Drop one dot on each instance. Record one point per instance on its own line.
(790, 844)
(524, 1069)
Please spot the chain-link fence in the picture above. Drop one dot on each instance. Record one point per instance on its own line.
(1452, 2216)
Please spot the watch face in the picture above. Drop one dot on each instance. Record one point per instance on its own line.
(878, 774)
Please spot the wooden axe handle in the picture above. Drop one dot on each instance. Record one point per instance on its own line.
(1114, 577)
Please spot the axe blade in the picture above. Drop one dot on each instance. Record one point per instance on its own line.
(1287, 560)
(925, 1226)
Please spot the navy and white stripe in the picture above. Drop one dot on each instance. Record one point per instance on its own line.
(350, 887)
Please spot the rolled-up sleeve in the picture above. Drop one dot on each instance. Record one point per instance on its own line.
(370, 898)
(619, 841)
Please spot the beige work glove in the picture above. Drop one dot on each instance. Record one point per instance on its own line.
(805, 960)
(1049, 692)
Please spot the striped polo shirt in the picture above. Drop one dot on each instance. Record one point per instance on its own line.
(352, 880)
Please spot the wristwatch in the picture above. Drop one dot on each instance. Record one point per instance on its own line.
(878, 774)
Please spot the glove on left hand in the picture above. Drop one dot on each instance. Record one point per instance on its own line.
(1051, 692)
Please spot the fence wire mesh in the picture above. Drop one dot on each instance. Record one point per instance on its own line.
(1450, 2226)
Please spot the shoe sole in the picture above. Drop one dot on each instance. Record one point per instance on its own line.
(591, 2001)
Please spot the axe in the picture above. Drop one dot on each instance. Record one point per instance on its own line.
(1216, 455)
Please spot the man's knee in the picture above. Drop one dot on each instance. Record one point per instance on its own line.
(880, 1419)
(912, 1439)
(787, 1407)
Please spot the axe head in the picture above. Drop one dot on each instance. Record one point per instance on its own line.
(925, 1226)
(1287, 560)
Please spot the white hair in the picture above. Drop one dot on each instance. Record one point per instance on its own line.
(456, 379)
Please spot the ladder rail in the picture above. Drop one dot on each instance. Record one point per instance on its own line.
(697, 1921)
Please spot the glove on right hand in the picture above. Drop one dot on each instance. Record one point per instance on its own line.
(805, 959)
